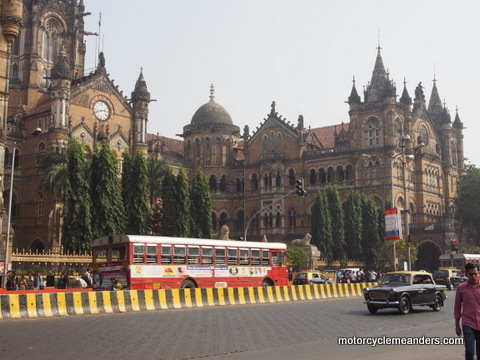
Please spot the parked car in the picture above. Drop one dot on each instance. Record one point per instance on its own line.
(311, 277)
(449, 277)
(403, 290)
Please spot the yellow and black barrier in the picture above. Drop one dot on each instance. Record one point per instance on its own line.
(35, 305)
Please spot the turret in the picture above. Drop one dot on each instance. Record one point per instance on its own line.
(140, 101)
(61, 82)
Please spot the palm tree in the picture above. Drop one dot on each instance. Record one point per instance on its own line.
(53, 166)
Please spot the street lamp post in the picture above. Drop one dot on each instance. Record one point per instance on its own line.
(405, 158)
(5, 270)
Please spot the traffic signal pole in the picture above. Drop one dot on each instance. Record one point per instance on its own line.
(303, 193)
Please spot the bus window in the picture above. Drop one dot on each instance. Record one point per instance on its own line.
(281, 258)
(232, 256)
(100, 255)
(220, 256)
(179, 252)
(274, 258)
(151, 254)
(138, 253)
(207, 255)
(265, 258)
(244, 257)
(193, 255)
(255, 257)
(166, 254)
(118, 253)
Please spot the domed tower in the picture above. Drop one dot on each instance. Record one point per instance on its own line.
(211, 135)
(140, 100)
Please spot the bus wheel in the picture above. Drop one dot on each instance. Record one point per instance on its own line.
(267, 282)
(188, 284)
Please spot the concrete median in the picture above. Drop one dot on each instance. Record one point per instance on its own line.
(33, 305)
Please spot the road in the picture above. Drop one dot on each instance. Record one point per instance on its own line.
(295, 330)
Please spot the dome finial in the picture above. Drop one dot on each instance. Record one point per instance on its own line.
(212, 91)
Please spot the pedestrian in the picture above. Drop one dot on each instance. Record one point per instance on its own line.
(467, 308)
(29, 278)
(116, 285)
(22, 283)
(87, 276)
(12, 281)
(80, 283)
(37, 281)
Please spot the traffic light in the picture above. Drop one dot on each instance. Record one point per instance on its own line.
(299, 187)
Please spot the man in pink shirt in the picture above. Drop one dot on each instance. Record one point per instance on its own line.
(467, 307)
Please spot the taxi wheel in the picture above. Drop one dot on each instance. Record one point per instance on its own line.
(372, 309)
(450, 286)
(438, 303)
(404, 306)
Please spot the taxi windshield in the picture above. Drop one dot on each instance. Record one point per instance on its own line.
(396, 278)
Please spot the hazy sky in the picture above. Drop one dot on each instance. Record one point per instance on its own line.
(302, 54)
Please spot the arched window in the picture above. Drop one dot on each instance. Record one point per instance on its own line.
(228, 151)
(292, 218)
(51, 39)
(37, 246)
(454, 154)
(330, 174)
(291, 177)
(313, 177)
(340, 174)
(254, 181)
(279, 141)
(218, 151)
(238, 186)
(239, 221)
(208, 153)
(212, 182)
(14, 73)
(278, 220)
(322, 177)
(350, 174)
(223, 184)
(254, 224)
(278, 179)
(223, 219)
(197, 151)
(371, 134)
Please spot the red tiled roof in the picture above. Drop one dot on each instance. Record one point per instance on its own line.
(325, 134)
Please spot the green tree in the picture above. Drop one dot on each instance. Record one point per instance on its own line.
(183, 222)
(202, 208)
(53, 166)
(168, 214)
(297, 257)
(385, 254)
(370, 239)
(322, 226)
(135, 193)
(467, 204)
(338, 223)
(107, 205)
(156, 170)
(353, 225)
(77, 232)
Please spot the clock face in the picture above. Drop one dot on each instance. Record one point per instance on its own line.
(101, 110)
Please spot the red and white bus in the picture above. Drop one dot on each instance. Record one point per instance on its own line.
(458, 261)
(154, 262)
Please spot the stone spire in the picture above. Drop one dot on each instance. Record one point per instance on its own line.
(380, 85)
(405, 99)
(435, 106)
(354, 98)
(457, 122)
(61, 69)
(140, 93)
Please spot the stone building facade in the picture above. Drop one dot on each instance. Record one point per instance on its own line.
(388, 143)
